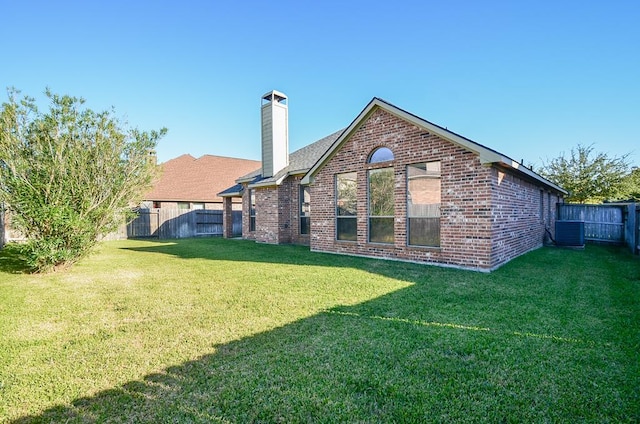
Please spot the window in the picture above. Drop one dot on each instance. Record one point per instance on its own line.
(381, 205)
(197, 206)
(252, 210)
(305, 209)
(381, 154)
(423, 204)
(183, 205)
(346, 220)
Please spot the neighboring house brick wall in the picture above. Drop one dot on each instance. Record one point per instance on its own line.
(474, 232)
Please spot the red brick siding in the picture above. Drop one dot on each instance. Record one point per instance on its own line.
(267, 215)
(474, 233)
(521, 211)
(517, 226)
(277, 214)
(246, 215)
(293, 194)
(285, 212)
(227, 219)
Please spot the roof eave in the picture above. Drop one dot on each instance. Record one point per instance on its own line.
(297, 172)
(507, 163)
(308, 178)
(231, 194)
(245, 179)
(487, 155)
(272, 183)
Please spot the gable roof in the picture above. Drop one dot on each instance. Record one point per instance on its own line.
(300, 162)
(186, 178)
(487, 156)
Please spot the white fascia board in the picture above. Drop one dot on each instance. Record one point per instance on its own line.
(262, 184)
(308, 178)
(487, 156)
(231, 194)
(510, 163)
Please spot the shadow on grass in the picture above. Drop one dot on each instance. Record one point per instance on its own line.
(236, 250)
(397, 358)
(219, 249)
(328, 368)
(340, 366)
(11, 261)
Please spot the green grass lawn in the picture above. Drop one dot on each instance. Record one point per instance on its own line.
(212, 330)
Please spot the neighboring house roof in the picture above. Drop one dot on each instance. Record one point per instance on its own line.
(487, 155)
(188, 179)
(300, 162)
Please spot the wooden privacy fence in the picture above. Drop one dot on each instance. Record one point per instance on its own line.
(637, 230)
(168, 223)
(606, 223)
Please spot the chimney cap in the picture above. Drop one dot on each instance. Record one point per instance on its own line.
(274, 95)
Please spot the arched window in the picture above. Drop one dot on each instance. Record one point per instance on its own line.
(381, 154)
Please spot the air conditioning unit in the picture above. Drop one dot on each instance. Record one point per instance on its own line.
(570, 233)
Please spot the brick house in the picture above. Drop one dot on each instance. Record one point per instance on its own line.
(189, 183)
(394, 186)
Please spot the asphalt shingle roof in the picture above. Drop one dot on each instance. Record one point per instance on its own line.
(300, 161)
(186, 178)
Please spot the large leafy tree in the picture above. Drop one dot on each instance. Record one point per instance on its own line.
(69, 175)
(589, 177)
(632, 185)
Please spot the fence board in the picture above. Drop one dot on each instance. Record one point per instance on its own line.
(610, 223)
(636, 240)
(237, 223)
(168, 223)
(159, 223)
(603, 223)
(145, 225)
(208, 222)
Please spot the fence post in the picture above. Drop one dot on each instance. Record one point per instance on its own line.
(630, 227)
(637, 240)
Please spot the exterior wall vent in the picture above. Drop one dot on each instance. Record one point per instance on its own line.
(570, 233)
(275, 133)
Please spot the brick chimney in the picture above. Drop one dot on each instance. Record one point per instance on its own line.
(275, 133)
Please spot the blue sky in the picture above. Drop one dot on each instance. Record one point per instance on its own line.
(529, 79)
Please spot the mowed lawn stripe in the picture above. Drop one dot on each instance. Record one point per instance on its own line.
(213, 330)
